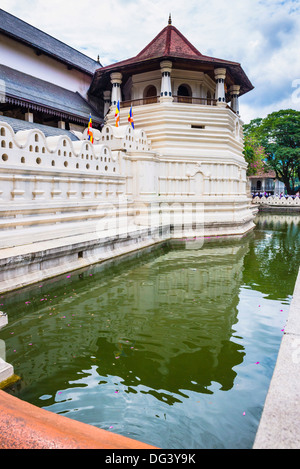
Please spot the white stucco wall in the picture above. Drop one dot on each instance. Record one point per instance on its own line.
(72, 204)
(198, 82)
(22, 58)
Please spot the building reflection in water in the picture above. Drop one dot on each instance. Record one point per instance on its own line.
(163, 320)
(185, 305)
(147, 347)
(272, 263)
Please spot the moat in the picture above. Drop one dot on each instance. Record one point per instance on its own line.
(174, 347)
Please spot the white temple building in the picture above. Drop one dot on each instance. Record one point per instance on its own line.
(179, 172)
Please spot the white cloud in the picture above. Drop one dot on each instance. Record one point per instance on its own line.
(263, 35)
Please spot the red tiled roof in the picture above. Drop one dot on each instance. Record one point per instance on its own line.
(264, 174)
(170, 42)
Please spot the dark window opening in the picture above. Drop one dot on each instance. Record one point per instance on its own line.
(184, 90)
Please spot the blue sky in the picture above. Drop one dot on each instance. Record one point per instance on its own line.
(264, 36)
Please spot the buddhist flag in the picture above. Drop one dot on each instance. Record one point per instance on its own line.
(117, 114)
(130, 117)
(90, 132)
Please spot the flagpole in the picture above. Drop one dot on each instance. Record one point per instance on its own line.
(117, 114)
(90, 132)
(130, 117)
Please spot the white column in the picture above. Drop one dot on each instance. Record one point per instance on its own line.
(29, 116)
(61, 125)
(234, 92)
(107, 101)
(166, 87)
(116, 81)
(220, 74)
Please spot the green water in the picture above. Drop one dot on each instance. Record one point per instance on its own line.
(175, 347)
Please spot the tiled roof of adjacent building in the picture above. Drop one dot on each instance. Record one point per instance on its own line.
(17, 124)
(33, 37)
(35, 93)
(264, 173)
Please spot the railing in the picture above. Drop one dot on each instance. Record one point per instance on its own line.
(140, 102)
(176, 99)
(192, 100)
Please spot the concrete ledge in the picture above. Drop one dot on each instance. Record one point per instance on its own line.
(279, 426)
(24, 426)
(29, 263)
(6, 371)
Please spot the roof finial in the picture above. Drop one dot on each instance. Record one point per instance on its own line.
(170, 19)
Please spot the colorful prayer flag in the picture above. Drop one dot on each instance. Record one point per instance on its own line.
(130, 117)
(117, 114)
(90, 132)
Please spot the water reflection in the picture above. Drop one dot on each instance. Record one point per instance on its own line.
(272, 263)
(166, 335)
(167, 319)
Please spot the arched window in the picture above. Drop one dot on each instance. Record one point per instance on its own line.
(150, 94)
(184, 90)
(184, 94)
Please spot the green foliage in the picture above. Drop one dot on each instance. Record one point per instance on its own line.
(279, 135)
(254, 154)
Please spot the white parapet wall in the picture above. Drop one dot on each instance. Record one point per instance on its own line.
(66, 204)
(6, 370)
(53, 180)
(277, 201)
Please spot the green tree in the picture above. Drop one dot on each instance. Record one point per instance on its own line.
(279, 135)
(254, 154)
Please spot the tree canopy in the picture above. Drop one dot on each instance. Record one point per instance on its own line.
(275, 141)
(254, 154)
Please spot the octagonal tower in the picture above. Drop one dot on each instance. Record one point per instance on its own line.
(188, 104)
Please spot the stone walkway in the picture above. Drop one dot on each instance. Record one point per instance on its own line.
(279, 427)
